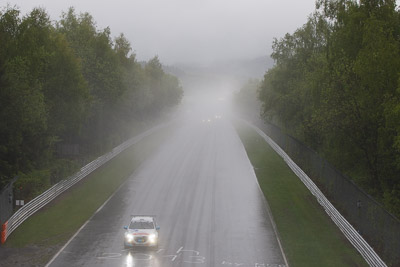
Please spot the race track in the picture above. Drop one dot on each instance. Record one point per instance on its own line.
(203, 191)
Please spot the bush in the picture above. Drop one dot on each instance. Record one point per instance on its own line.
(32, 184)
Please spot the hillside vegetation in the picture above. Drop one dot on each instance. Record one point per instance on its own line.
(335, 86)
(69, 92)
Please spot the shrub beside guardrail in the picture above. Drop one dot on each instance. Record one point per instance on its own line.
(45, 198)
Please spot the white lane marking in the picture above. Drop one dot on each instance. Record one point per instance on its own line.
(193, 251)
(196, 259)
(179, 250)
(264, 136)
(271, 218)
(173, 256)
(83, 226)
(109, 256)
(69, 241)
(146, 257)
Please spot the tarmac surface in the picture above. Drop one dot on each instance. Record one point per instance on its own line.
(203, 191)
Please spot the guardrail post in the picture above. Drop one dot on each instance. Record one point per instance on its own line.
(4, 232)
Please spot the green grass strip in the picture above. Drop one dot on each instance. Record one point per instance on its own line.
(58, 221)
(308, 236)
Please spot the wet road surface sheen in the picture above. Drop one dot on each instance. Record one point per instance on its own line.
(202, 189)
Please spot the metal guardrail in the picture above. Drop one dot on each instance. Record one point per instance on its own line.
(366, 251)
(42, 200)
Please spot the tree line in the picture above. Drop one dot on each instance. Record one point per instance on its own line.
(69, 90)
(335, 86)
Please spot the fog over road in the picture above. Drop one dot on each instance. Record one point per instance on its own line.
(203, 191)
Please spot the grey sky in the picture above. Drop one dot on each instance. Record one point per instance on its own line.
(190, 30)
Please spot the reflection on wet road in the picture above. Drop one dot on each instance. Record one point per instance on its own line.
(203, 191)
(160, 258)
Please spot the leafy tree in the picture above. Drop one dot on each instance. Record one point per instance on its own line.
(173, 89)
(69, 83)
(122, 48)
(42, 92)
(335, 86)
(290, 91)
(164, 90)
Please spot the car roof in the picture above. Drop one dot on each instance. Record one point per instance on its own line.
(142, 219)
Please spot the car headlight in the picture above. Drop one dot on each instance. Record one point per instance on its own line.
(129, 237)
(152, 238)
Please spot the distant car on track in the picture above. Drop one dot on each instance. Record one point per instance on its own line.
(141, 232)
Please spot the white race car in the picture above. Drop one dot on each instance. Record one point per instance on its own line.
(142, 232)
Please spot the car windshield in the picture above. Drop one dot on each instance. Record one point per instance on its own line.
(141, 225)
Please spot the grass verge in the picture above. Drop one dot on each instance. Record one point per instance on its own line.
(308, 236)
(58, 221)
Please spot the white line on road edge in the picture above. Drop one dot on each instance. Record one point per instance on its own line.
(83, 226)
(271, 218)
(69, 241)
(268, 210)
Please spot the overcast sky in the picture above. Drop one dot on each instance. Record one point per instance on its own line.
(181, 31)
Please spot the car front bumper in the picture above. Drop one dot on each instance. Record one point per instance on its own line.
(141, 241)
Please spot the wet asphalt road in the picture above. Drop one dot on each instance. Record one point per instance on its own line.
(203, 191)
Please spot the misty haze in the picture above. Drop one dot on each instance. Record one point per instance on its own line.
(199, 133)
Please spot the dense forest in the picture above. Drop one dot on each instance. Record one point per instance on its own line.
(69, 92)
(335, 86)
